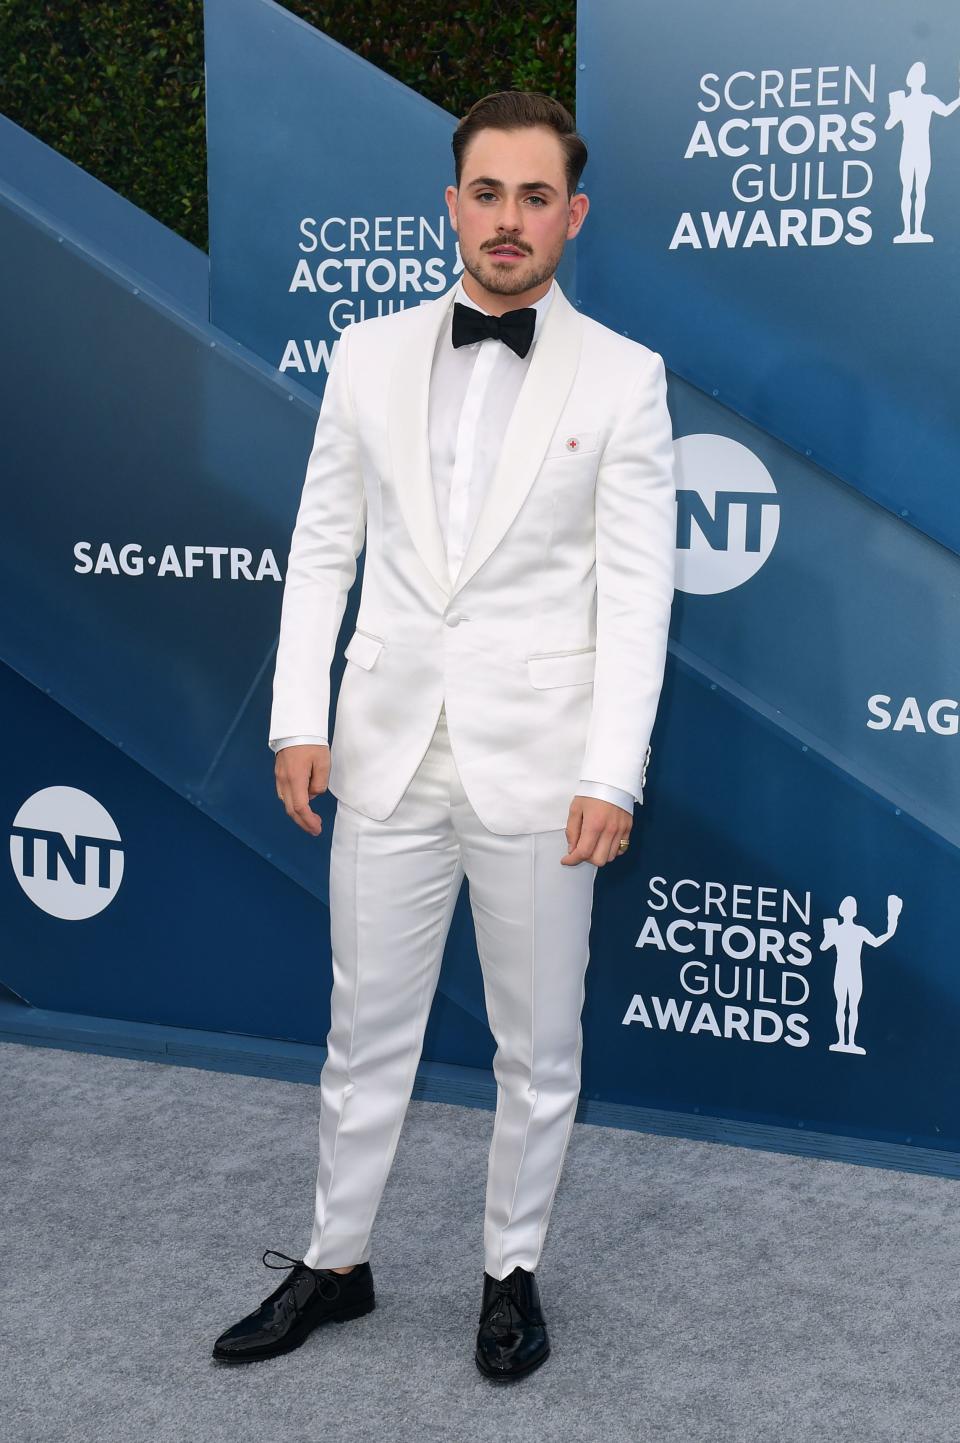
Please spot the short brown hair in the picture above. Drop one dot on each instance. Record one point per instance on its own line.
(513, 109)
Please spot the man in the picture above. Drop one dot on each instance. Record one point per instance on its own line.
(509, 463)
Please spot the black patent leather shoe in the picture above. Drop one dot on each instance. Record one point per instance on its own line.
(305, 1298)
(512, 1339)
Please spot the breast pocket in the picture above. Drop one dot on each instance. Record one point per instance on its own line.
(363, 649)
(572, 442)
(562, 668)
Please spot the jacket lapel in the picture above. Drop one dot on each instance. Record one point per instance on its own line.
(536, 411)
(409, 439)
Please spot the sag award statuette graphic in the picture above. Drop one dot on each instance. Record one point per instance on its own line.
(912, 109)
(848, 937)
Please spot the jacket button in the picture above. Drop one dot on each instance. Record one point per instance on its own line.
(452, 618)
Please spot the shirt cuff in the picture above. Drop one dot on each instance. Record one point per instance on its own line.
(276, 743)
(606, 793)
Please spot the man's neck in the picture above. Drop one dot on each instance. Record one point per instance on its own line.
(496, 304)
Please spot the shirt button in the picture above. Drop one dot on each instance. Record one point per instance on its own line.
(452, 618)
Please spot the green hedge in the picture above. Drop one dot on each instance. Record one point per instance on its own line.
(118, 86)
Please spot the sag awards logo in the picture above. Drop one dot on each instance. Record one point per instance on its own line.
(848, 938)
(66, 853)
(735, 962)
(357, 268)
(728, 514)
(798, 144)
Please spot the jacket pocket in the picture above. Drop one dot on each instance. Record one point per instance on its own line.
(363, 649)
(562, 668)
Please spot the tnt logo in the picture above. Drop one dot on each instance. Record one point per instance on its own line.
(66, 853)
(728, 514)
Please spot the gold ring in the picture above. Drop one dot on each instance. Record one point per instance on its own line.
(623, 844)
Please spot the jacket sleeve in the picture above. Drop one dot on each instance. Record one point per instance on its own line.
(636, 528)
(322, 565)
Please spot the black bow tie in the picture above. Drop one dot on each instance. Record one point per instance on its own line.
(514, 328)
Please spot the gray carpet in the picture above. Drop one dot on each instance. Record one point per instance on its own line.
(695, 1292)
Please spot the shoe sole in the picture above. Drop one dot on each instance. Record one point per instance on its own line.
(497, 1377)
(356, 1310)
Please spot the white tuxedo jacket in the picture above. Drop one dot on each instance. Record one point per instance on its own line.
(548, 649)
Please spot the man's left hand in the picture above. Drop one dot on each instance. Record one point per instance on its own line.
(594, 829)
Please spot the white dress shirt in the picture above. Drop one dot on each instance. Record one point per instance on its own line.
(472, 392)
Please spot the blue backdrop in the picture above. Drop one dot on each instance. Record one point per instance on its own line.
(745, 198)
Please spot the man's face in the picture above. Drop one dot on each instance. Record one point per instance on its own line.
(512, 233)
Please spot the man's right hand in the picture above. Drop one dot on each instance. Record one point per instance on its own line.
(301, 773)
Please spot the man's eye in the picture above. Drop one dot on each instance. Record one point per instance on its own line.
(484, 193)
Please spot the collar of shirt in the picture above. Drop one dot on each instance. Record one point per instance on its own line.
(539, 306)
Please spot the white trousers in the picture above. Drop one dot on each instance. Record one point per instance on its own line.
(393, 888)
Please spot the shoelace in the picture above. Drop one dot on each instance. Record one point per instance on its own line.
(319, 1278)
(498, 1308)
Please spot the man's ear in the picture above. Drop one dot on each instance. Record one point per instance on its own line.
(579, 212)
